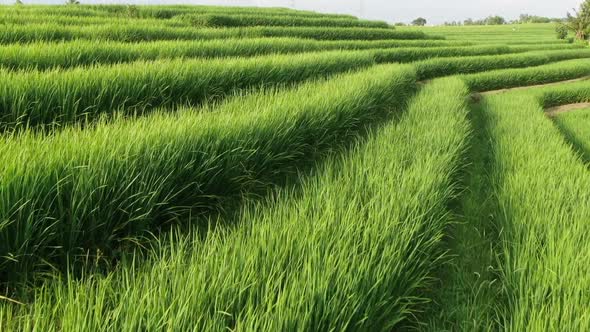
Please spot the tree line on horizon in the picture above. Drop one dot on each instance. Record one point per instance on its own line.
(491, 20)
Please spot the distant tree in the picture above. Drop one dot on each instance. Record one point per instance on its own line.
(579, 22)
(495, 20)
(132, 11)
(19, 3)
(468, 21)
(526, 18)
(420, 21)
(562, 31)
(400, 24)
(72, 2)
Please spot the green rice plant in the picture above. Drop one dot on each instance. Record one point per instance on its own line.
(47, 55)
(76, 53)
(278, 21)
(82, 11)
(356, 249)
(508, 33)
(551, 96)
(162, 12)
(88, 191)
(509, 78)
(79, 21)
(147, 32)
(421, 53)
(574, 125)
(465, 65)
(321, 33)
(543, 208)
(35, 98)
(173, 11)
(543, 47)
(466, 291)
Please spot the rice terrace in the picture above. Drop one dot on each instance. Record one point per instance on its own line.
(225, 168)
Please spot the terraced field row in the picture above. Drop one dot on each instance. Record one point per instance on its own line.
(213, 185)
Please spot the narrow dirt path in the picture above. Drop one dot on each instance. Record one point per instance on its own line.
(467, 290)
(493, 92)
(477, 96)
(554, 111)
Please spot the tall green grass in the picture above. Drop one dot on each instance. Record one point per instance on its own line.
(341, 33)
(465, 65)
(19, 18)
(543, 210)
(77, 53)
(46, 55)
(87, 191)
(221, 21)
(147, 32)
(39, 98)
(574, 125)
(35, 98)
(572, 93)
(421, 53)
(509, 78)
(355, 250)
(160, 11)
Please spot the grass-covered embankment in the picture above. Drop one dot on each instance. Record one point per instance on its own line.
(87, 190)
(290, 260)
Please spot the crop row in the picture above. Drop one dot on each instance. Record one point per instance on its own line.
(221, 21)
(509, 78)
(186, 20)
(466, 65)
(91, 188)
(87, 52)
(574, 125)
(331, 60)
(542, 208)
(36, 98)
(146, 32)
(159, 12)
(291, 259)
(78, 53)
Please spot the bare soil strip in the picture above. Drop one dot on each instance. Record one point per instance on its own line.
(554, 111)
(476, 97)
(493, 92)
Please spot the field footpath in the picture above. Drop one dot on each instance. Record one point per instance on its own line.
(471, 285)
(554, 111)
(477, 96)
(493, 92)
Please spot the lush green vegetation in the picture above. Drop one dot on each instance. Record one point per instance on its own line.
(46, 55)
(224, 168)
(265, 20)
(144, 32)
(204, 157)
(542, 208)
(35, 98)
(464, 65)
(508, 78)
(574, 125)
(372, 271)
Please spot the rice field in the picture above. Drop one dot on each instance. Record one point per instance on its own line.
(264, 169)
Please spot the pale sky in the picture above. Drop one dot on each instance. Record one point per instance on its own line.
(435, 11)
